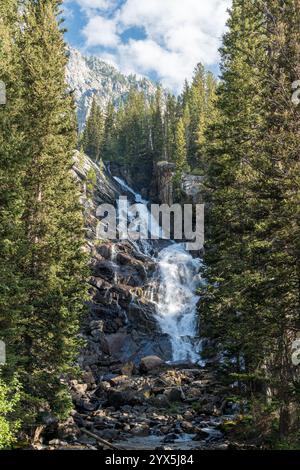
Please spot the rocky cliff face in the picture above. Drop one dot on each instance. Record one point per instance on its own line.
(90, 76)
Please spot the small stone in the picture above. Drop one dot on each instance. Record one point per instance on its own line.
(109, 434)
(128, 368)
(201, 435)
(54, 442)
(140, 431)
(120, 379)
(160, 401)
(187, 427)
(79, 388)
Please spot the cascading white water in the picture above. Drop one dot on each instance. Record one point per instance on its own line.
(177, 281)
(177, 301)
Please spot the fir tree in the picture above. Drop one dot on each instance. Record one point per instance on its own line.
(53, 262)
(157, 127)
(180, 150)
(251, 304)
(92, 138)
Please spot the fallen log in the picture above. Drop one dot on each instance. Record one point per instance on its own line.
(99, 439)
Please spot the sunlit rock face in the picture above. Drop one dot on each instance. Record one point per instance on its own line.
(90, 76)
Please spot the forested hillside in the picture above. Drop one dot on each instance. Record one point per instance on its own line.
(142, 132)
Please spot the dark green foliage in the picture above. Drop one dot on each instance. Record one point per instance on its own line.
(92, 138)
(43, 266)
(250, 307)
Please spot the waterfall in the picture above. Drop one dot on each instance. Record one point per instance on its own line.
(177, 302)
(177, 279)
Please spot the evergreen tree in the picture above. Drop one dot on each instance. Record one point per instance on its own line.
(157, 133)
(109, 146)
(180, 149)
(251, 303)
(53, 263)
(12, 288)
(170, 122)
(92, 138)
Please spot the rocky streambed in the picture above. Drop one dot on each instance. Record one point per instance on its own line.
(153, 406)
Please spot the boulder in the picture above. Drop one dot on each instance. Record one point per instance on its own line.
(149, 363)
(175, 394)
(160, 401)
(201, 435)
(121, 398)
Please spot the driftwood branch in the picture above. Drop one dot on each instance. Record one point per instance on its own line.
(103, 441)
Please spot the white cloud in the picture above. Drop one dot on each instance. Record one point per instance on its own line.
(101, 32)
(179, 34)
(95, 4)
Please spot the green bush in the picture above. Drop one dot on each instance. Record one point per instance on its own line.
(9, 398)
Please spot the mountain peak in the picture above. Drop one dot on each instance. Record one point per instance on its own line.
(90, 77)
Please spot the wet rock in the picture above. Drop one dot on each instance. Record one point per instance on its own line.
(105, 251)
(201, 435)
(170, 438)
(150, 363)
(105, 269)
(144, 316)
(140, 430)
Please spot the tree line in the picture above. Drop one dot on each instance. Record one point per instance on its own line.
(43, 267)
(141, 131)
(250, 307)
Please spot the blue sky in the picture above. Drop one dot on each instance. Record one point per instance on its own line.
(161, 39)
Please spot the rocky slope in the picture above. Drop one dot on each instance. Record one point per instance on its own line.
(90, 76)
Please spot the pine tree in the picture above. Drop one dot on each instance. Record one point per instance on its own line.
(109, 146)
(170, 122)
(251, 304)
(157, 127)
(180, 150)
(11, 205)
(53, 264)
(277, 187)
(92, 138)
(229, 315)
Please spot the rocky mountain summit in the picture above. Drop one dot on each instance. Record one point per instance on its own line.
(90, 77)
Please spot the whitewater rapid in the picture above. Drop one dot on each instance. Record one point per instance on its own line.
(177, 280)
